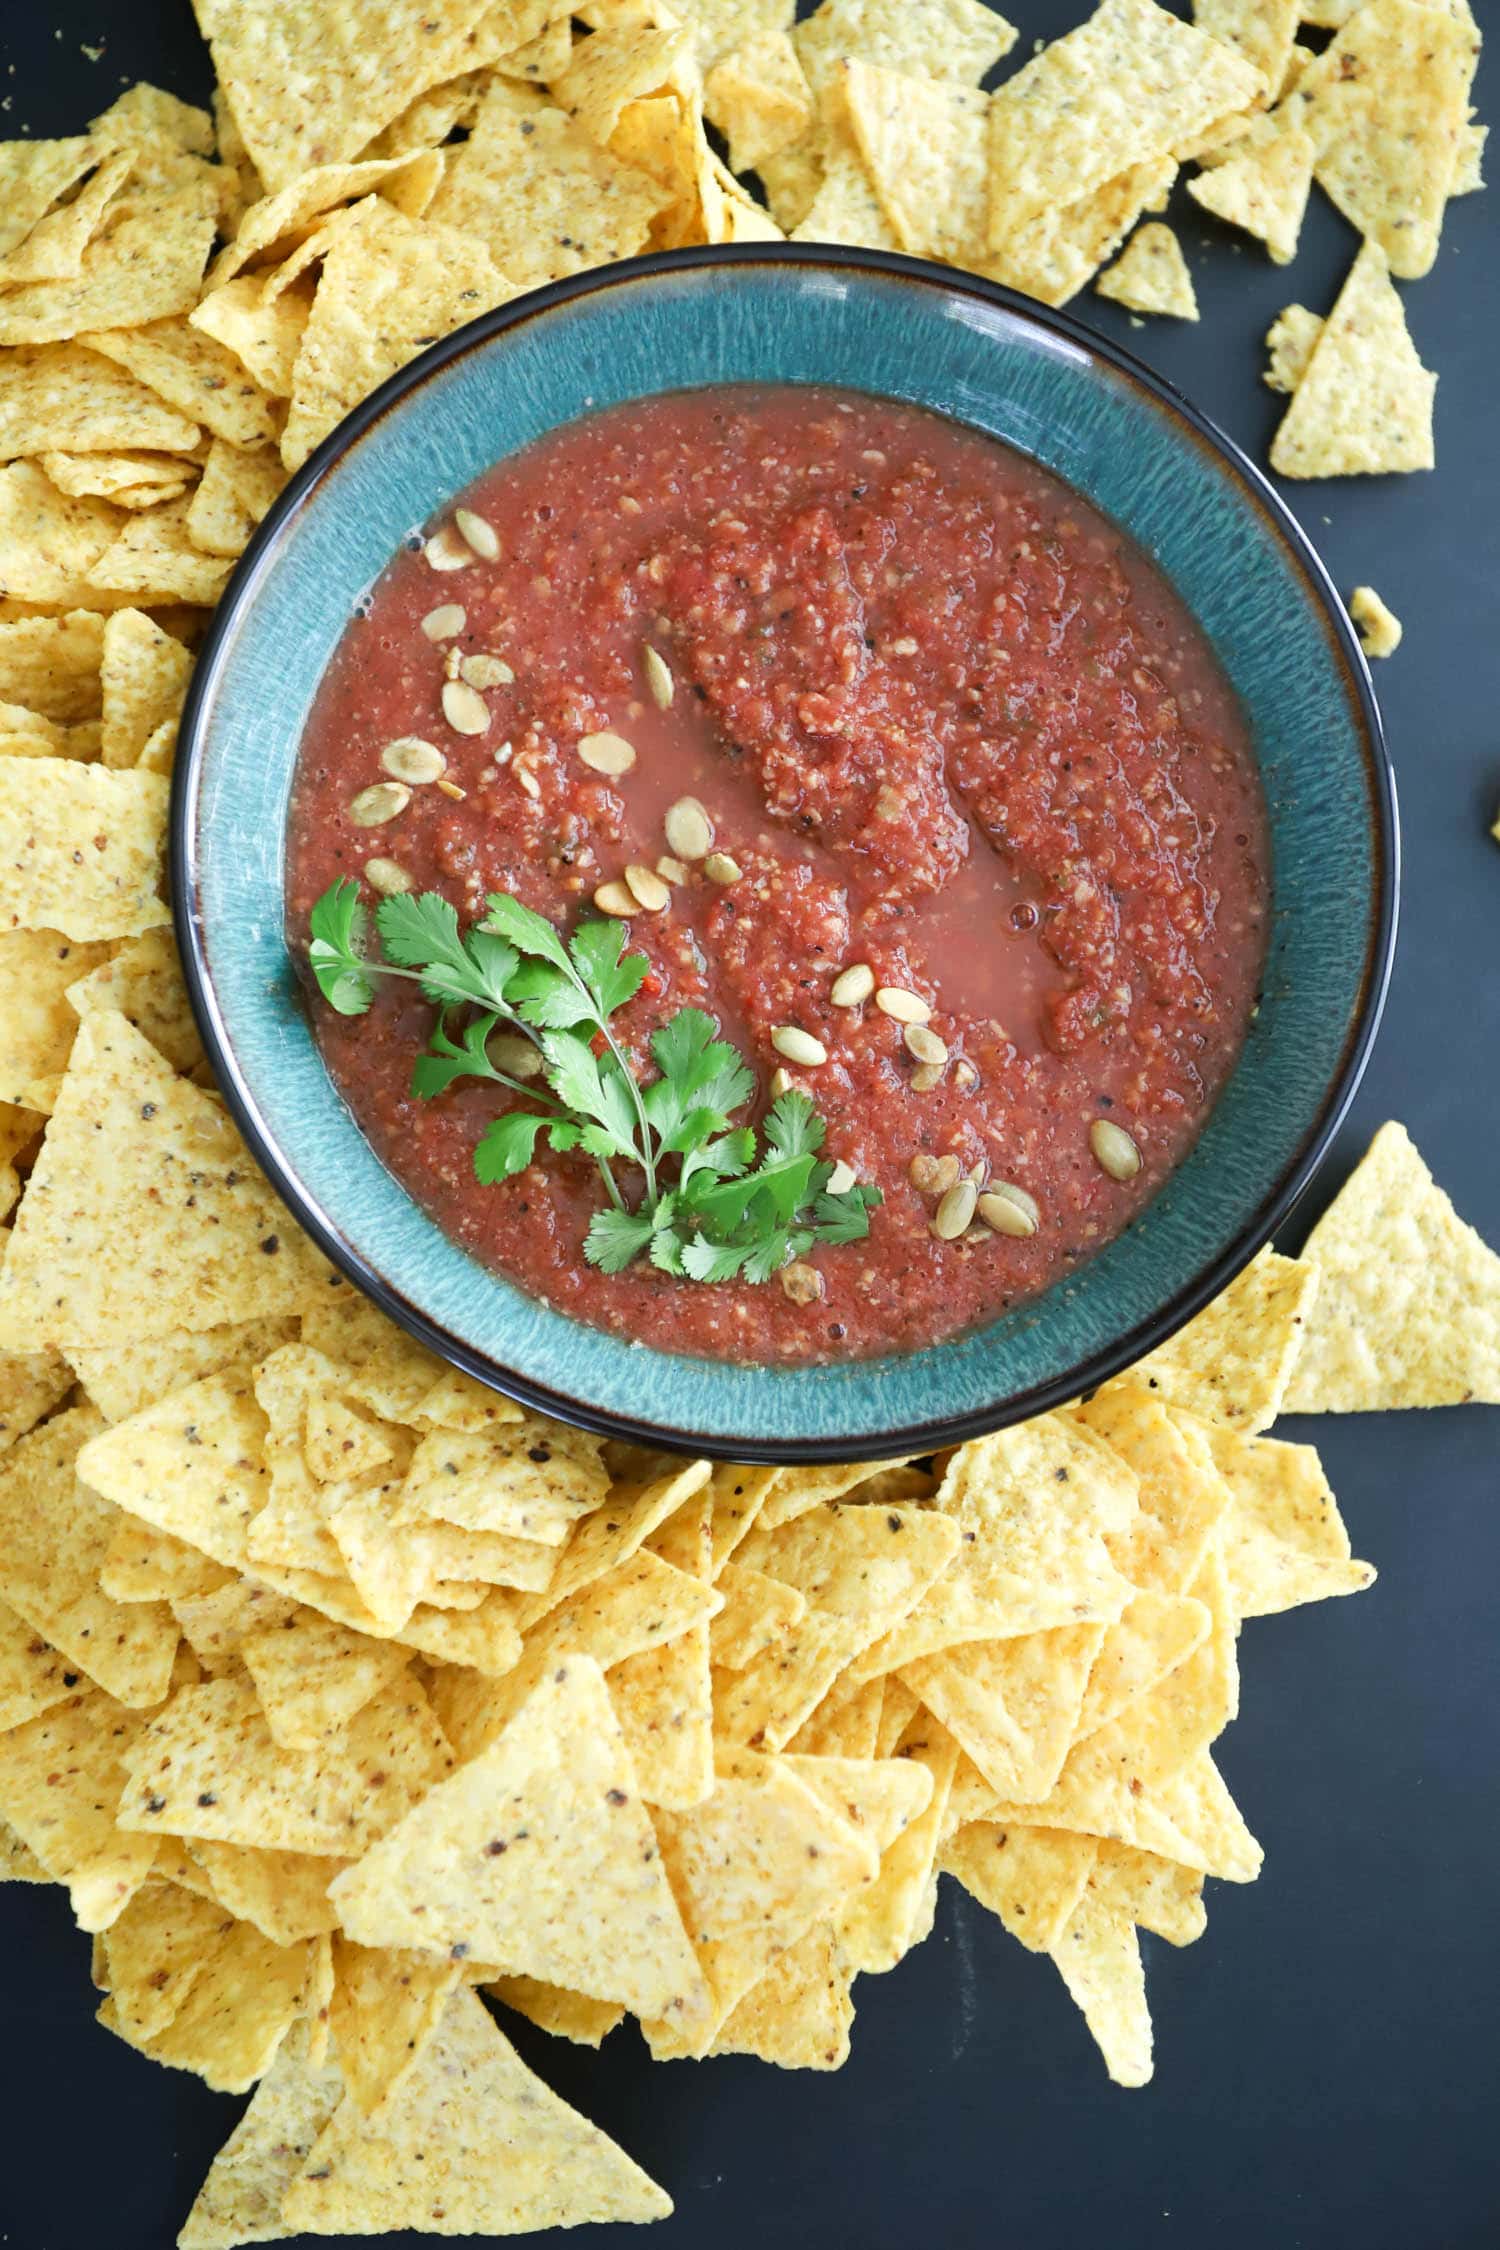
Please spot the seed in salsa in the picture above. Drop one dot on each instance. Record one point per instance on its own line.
(889, 755)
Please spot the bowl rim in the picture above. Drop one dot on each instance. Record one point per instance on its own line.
(908, 1438)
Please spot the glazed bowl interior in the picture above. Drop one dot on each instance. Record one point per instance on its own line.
(1083, 411)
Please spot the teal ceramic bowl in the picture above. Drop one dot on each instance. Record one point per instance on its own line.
(1084, 410)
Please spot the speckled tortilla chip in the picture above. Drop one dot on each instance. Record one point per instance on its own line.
(792, 1492)
(663, 1699)
(1181, 1496)
(36, 1022)
(311, 82)
(1053, 255)
(53, 251)
(263, 331)
(153, 558)
(533, 186)
(191, 1465)
(799, 2014)
(530, 1478)
(390, 286)
(1032, 1878)
(1151, 275)
(1364, 404)
(539, 1856)
(845, 207)
(758, 1611)
(870, 1565)
(33, 175)
(33, 1675)
(130, 480)
(566, 2015)
(759, 98)
(1263, 187)
(191, 1235)
(1156, 1633)
(601, 1542)
(237, 488)
(144, 263)
(240, 2007)
(1232, 1362)
(312, 1676)
(1283, 1540)
(144, 984)
(925, 146)
(60, 1782)
(473, 2131)
(50, 541)
(762, 1850)
(273, 228)
(1130, 86)
(959, 40)
(51, 664)
(154, 1953)
(195, 374)
(54, 1535)
(80, 848)
(1099, 1959)
(1385, 108)
(386, 2006)
(285, 1894)
(624, 65)
(1408, 1308)
(209, 1766)
(122, 1378)
(1290, 341)
(1156, 1894)
(146, 1565)
(881, 1920)
(1261, 31)
(846, 1724)
(148, 117)
(143, 677)
(240, 2201)
(1012, 1705)
(18, 1862)
(338, 1442)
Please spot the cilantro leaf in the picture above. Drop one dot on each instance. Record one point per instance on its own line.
(611, 975)
(845, 1217)
(448, 1059)
(592, 1087)
(615, 1238)
(506, 1146)
(711, 1261)
(422, 933)
(792, 1126)
(529, 933)
(549, 998)
(340, 932)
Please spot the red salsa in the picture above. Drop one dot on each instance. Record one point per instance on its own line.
(951, 730)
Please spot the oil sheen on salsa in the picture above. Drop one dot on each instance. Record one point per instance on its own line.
(946, 721)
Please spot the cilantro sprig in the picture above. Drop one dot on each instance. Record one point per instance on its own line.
(698, 1195)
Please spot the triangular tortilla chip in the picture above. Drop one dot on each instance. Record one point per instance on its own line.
(1099, 1958)
(1151, 275)
(313, 1676)
(757, 1611)
(472, 2144)
(1364, 404)
(122, 1378)
(1156, 1633)
(1155, 1893)
(33, 174)
(608, 1537)
(566, 2015)
(799, 2014)
(58, 875)
(1262, 31)
(386, 2007)
(145, 262)
(51, 664)
(143, 678)
(60, 1781)
(1032, 1878)
(1013, 1705)
(1264, 189)
(239, 2009)
(1408, 1309)
(530, 1478)
(241, 2199)
(33, 1675)
(881, 1922)
(154, 1953)
(190, 1236)
(539, 1856)
(37, 1025)
(1283, 1540)
(1182, 1496)
(285, 1894)
(1232, 1363)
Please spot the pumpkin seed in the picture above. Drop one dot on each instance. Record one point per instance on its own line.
(851, 986)
(801, 1282)
(1114, 1149)
(483, 671)
(689, 831)
(782, 1082)
(955, 1211)
(446, 551)
(798, 1046)
(442, 623)
(388, 877)
(904, 1007)
(381, 802)
(658, 677)
(720, 868)
(508, 1051)
(925, 1077)
(478, 534)
(616, 898)
(451, 789)
(464, 708)
(606, 753)
(409, 758)
(925, 1045)
(932, 1175)
(1008, 1209)
(649, 889)
(840, 1179)
(671, 870)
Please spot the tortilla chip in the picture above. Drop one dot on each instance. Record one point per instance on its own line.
(799, 2014)
(1155, 1893)
(51, 664)
(312, 1676)
(236, 490)
(762, 1850)
(241, 2199)
(1052, 256)
(1156, 1633)
(530, 1478)
(1032, 1878)
(1283, 1541)
(1264, 190)
(1290, 341)
(154, 1954)
(957, 40)
(601, 1542)
(1182, 1496)
(1385, 107)
(1012, 1705)
(567, 2015)
(152, 556)
(143, 677)
(54, 1536)
(881, 1922)
(144, 1565)
(434, 116)
(272, 229)
(1408, 1308)
(539, 1856)
(285, 1894)
(36, 1023)
(759, 98)
(53, 251)
(870, 1565)
(1379, 627)
(123, 1378)
(236, 2014)
(1209, 1822)
(472, 2144)
(386, 2007)
(263, 331)
(1099, 1959)
(128, 480)
(845, 1724)
(209, 1766)
(925, 147)
(541, 195)
(1261, 31)
(31, 1384)
(81, 848)
(18, 1862)
(50, 541)
(663, 1699)
(144, 263)
(757, 1611)
(1364, 404)
(146, 117)
(60, 1781)
(338, 1443)
(1233, 1362)
(1151, 276)
(621, 65)
(59, 397)
(486, 1639)
(33, 1675)
(216, 1623)
(1128, 86)
(33, 176)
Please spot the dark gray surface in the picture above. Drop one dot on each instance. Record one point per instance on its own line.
(1326, 2054)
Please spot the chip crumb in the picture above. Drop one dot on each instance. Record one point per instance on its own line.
(1379, 627)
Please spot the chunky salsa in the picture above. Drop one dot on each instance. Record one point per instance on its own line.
(930, 792)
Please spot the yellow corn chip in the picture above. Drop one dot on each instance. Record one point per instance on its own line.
(1283, 1539)
(123, 1378)
(59, 397)
(881, 1922)
(386, 2007)
(959, 40)
(147, 1566)
(36, 1023)
(1151, 275)
(757, 1611)
(1408, 1308)
(144, 263)
(33, 1675)
(81, 848)
(1233, 1361)
(1262, 31)
(240, 2007)
(51, 664)
(1053, 255)
(1155, 1893)
(18, 1863)
(49, 540)
(337, 1442)
(155, 1952)
(434, 116)
(925, 147)
(759, 98)
(263, 331)
(567, 2015)
(241, 2199)
(532, 1479)
(846, 1724)
(143, 982)
(143, 677)
(272, 229)
(236, 489)
(620, 66)
(285, 1894)
(152, 556)
(1290, 341)
(313, 1676)
(1012, 1705)
(1264, 190)
(1156, 1633)
(1364, 404)
(146, 117)
(1379, 627)
(60, 1782)
(474, 2138)
(457, 1402)
(799, 2014)
(33, 175)
(1032, 1878)
(1099, 1959)
(53, 251)
(601, 1542)
(127, 480)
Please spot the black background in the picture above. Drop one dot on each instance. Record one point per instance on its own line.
(1327, 2054)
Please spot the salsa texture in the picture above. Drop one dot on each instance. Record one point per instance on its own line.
(946, 723)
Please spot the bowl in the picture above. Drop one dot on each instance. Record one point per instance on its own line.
(1083, 409)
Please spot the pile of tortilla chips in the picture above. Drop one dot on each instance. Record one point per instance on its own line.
(333, 1688)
